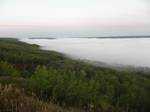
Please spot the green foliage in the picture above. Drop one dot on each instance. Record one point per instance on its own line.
(40, 78)
(101, 93)
(7, 69)
(67, 82)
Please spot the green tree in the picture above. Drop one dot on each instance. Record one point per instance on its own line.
(40, 78)
(7, 69)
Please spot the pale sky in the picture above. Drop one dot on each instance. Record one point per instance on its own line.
(74, 17)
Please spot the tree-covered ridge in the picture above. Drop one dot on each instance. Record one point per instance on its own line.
(52, 77)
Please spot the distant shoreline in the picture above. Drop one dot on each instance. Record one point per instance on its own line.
(41, 38)
(115, 37)
(102, 37)
(107, 37)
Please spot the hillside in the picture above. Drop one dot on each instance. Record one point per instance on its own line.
(54, 81)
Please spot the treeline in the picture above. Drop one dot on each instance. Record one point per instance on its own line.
(52, 77)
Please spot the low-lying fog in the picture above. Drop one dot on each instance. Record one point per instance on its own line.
(129, 51)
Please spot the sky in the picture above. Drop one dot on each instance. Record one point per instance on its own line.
(74, 17)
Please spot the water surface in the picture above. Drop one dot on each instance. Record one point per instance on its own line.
(129, 51)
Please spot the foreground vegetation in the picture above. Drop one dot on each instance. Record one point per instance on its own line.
(13, 99)
(47, 77)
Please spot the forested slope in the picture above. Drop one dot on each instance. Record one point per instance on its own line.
(53, 78)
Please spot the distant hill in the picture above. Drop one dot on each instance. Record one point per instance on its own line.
(115, 37)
